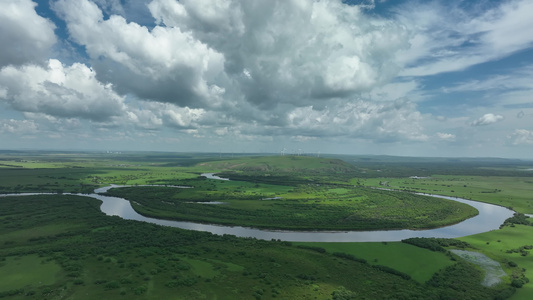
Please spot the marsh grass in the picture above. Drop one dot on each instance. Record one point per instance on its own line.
(419, 263)
(495, 244)
(28, 271)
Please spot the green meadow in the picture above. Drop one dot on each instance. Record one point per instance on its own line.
(504, 245)
(512, 192)
(417, 262)
(18, 272)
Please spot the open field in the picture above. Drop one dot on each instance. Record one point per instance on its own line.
(496, 244)
(515, 192)
(27, 271)
(417, 262)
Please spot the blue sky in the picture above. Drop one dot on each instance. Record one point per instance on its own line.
(410, 78)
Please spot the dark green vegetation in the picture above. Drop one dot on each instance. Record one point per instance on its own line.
(436, 244)
(51, 180)
(82, 172)
(289, 192)
(285, 170)
(87, 255)
(61, 246)
(305, 207)
(419, 263)
(292, 192)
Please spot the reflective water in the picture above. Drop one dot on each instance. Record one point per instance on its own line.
(212, 176)
(490, 218)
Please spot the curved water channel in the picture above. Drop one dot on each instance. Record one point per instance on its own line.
(490, 217)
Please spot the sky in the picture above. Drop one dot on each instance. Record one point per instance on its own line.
(451, 78)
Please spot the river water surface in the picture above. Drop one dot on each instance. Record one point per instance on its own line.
(490, 217)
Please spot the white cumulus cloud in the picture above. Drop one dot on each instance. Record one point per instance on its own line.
(18, 126)
(522, 137)
(445, 136)
(202, 53)
(386, 122)
(165, 64)
(58, 90)
(487, 119)
(206, 72)
(24, 35)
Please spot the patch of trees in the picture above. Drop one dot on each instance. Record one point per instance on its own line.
(517, 218)
(349, 257)
(312, 248)
(11, 293)
(261, 178)
(436, 244)
(523, 250)
(461, 281)
(343, 293)
(186, 281)
(392, 271)
(378, 267)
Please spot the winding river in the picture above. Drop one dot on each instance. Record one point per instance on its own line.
(490, 217)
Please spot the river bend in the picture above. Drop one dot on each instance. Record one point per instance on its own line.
(490, 217)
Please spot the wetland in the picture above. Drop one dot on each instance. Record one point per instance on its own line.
(94, 254)
(490, 217)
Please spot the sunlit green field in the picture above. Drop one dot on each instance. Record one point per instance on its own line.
(419, 263)
(495, 244)
(515, 192)
(27, 272)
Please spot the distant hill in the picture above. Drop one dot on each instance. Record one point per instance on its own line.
(277, 165)
(415, 159)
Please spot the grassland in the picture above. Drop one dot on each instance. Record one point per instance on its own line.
(512, 192)
(499, 244)
(418, 263)
(27, 271)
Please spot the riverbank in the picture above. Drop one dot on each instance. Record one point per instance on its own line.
(84, 254)
(490, 217)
